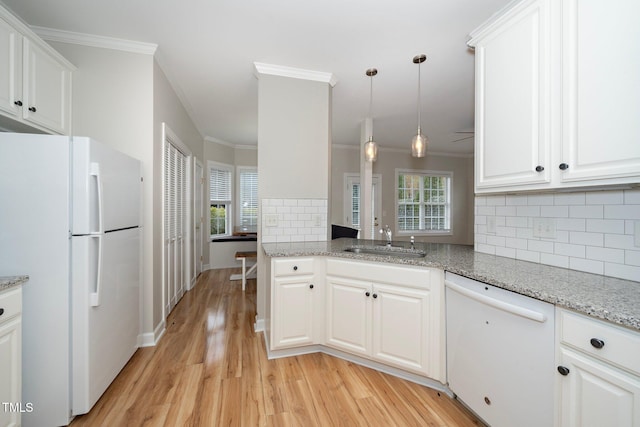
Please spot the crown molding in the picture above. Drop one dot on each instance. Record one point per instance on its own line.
(296, 73)
(219, 141)
(91, 40)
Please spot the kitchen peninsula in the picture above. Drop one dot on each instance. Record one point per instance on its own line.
(607, 298)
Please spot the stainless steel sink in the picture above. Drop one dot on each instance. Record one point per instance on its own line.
(395, 251)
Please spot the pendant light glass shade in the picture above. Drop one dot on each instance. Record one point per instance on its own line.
(419, 142)
(370, 150)
(370, 147)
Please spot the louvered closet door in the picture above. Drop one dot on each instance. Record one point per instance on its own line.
(174, 225)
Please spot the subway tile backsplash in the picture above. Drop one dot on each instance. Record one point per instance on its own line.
(294, 220)
(591, 231)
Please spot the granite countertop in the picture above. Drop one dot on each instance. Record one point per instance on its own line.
(8, 282)
(608, 298)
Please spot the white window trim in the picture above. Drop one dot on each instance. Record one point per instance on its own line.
(447, 174)
(230, 215)
(240, 169)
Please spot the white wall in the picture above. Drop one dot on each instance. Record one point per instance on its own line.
(346, 160)
(294, 150)
(113, 103)
(120, 98)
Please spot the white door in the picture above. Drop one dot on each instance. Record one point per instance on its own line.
(198, 218)
(349, 315)
(176, 257)
(601, 90)
(105, 303)
(352, 208)
(594, 394)
(294, 320)
(400, 326)
(47, 89)
(10, 369)
(512, 99)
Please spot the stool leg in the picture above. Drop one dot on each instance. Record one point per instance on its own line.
(244, 274)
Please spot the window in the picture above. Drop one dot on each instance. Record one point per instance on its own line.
(220, 190)
(248, 198)
(424, 201)
(352, 202)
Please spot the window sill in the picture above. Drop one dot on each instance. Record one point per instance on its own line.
(230, 238)
(424, 233)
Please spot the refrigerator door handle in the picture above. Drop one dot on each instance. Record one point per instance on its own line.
(95, 172)
(94, 297)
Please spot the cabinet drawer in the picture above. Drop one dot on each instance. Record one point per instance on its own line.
(620, 346)
(10, 304)
(292, 266)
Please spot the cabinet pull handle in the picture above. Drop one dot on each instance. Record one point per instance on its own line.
(563, 166)
(295, 268)
(539, 168)
(311, 286)
(563, 370)
(1, 311)
(18, 103)
(597, 343)
(32, 109)
(366, 294)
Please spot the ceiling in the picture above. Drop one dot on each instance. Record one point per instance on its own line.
(207, 49)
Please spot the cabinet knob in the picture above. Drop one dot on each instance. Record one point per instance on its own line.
(32, 109)
(597, 343)
(1, 311)
(539, 168)
(375, 295)
(18, 103)
(487, 400)
(295, 268)
(366, 294)
(563, 166)
(563, 370)
(311, 286)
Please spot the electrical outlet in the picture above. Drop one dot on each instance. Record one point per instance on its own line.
(491, 224)
(637, 234)
(316, 220)
(271, 220)
(544, 228)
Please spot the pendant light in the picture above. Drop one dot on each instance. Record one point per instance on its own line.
(370, 147)
(419, 142)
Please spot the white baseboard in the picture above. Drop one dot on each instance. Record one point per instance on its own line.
(396, 372)
(259, 325)
(206, 267)
(150, 339)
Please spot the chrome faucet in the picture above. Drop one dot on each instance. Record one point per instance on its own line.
(387, 232)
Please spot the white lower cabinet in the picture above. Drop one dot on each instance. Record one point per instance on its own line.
(10, 358)
(387, 313)
(599, 373)
(297, 303)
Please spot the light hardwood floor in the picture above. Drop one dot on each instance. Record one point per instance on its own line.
(211, 369)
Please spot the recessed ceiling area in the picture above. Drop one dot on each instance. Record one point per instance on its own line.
(207, 48)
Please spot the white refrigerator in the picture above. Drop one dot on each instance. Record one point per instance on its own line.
(70, 219)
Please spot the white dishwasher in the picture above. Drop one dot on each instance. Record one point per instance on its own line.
(500, 353)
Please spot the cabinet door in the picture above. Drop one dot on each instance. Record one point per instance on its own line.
(10, 68)
(400, 327)
(601, 91)
(47, 90)
(594, 394)
(349, 315)
(294, 317)
(513, 99)
(10, 372)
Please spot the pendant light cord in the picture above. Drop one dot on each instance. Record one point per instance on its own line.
(371, 103)
(419, 106)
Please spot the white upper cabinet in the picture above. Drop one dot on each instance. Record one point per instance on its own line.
(35, 80)
(10, 69)
(557, 96)
(512, 98)
(601, 91)
(47, 91)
